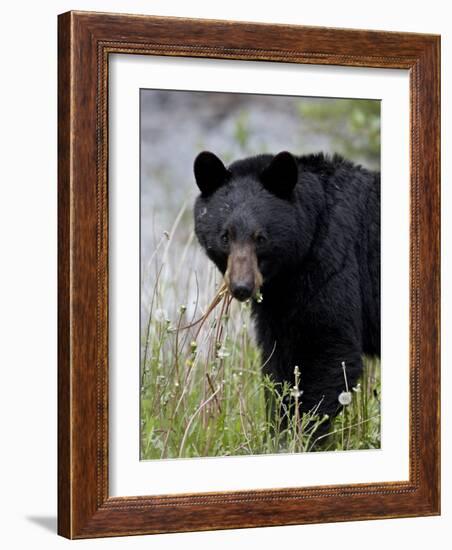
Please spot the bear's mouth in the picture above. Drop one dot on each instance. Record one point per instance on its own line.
(242, 275)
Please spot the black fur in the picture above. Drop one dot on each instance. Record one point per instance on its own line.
(320, 262)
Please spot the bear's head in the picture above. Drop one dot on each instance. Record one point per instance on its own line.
(247, 218)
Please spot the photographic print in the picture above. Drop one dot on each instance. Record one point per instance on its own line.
(260, 274)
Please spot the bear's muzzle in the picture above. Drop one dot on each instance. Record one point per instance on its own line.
(242, 275)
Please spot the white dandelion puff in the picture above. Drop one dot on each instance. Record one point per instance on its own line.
(345, 398)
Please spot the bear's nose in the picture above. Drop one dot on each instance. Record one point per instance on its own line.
(241, 291)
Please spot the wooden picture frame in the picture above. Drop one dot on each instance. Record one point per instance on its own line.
(85, 41)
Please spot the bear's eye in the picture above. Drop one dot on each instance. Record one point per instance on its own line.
(225, 238)
(261, 239)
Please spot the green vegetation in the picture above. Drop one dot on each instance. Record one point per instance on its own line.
(353, 125)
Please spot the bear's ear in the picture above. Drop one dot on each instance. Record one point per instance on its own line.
(210, 173)
(281, 175)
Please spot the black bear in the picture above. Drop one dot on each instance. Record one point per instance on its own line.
(302, 233)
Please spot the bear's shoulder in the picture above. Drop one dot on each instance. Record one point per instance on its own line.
(325, 165)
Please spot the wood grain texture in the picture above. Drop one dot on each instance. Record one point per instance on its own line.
(64, 295)
(85, 42)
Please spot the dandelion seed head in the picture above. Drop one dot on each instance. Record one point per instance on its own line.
(345, 398)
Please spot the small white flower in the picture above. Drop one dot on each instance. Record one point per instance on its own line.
(345, 398)
(295, 392)
(222, 353)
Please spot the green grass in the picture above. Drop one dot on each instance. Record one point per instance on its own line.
(353, 126)
(202, 390)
